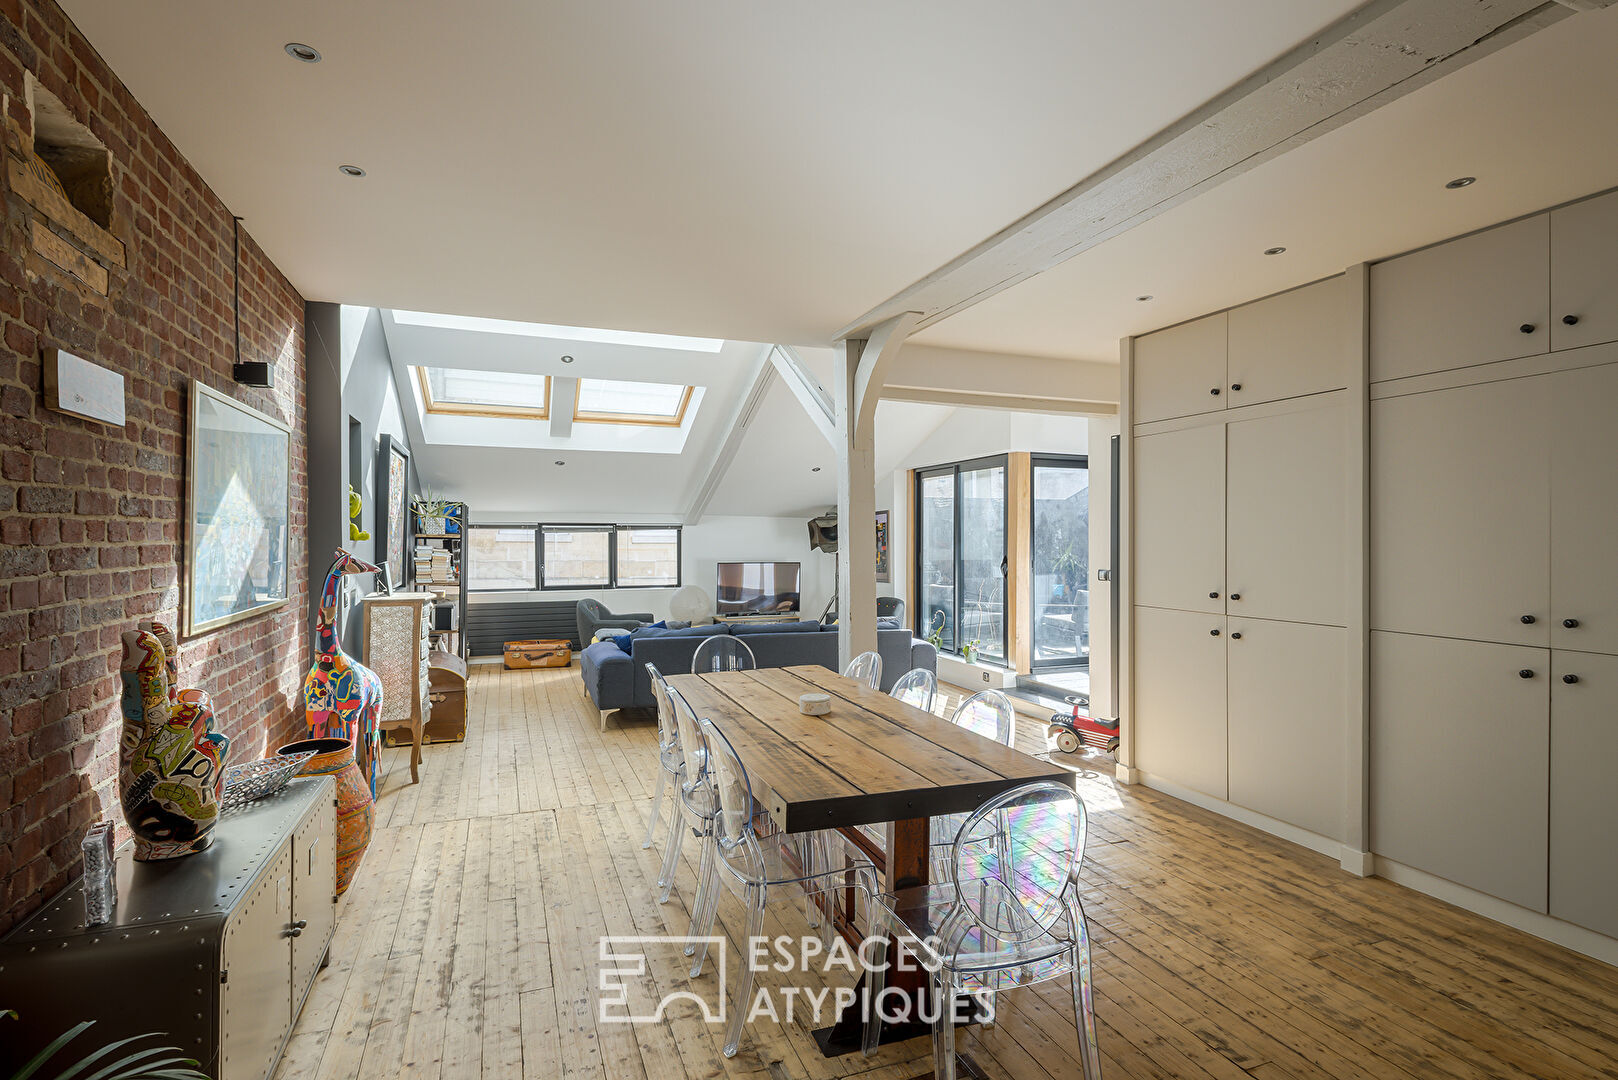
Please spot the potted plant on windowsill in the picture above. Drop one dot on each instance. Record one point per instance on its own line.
(969, 651)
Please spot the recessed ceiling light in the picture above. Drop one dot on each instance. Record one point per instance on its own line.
(351, 170)
(307, 53)
(567, 359)
(559, 461)
(1145, 298)
(1462, 181)
(815, 469)
(1274, 250)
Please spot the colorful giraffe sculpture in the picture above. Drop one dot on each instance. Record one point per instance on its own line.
(171, 760)
(342, 698)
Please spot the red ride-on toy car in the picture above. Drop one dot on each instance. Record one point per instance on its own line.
(1077, 730)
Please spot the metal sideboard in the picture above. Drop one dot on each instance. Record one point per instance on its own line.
(216, 950)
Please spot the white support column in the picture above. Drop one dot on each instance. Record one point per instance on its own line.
(860, 372)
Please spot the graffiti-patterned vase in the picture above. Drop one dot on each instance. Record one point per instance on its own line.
(170, 759)
(356, 813)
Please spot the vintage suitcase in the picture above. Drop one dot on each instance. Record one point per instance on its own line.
(446, 695)
(532, 654)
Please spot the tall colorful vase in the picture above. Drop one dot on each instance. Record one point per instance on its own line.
(356, 813)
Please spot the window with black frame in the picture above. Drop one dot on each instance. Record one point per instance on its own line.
(512, 558)
(961, 557)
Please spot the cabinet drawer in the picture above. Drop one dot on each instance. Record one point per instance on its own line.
(1181, 370)
(1289, 345)
(1464, 302)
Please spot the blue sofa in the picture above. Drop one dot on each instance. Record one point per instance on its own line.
(615, 679)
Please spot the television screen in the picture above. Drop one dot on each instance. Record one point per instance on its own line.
(757, 588)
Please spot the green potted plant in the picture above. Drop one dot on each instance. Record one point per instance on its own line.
(970, 651)
(432, 514)
(152, 1063)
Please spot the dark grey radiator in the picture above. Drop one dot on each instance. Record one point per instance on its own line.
(490, 626)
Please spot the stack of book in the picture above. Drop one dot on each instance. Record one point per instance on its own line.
(433, 565)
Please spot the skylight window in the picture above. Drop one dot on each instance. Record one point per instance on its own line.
(564, 333)
(459, 391)
(605, 401)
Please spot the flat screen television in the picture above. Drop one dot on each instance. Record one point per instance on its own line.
(757, 588)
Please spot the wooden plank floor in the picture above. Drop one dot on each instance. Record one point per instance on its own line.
(467, 946)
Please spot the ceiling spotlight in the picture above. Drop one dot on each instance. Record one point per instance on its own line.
(351, 170)
(559, 461)
(1274, 250)
(1461, 182)
(567, 359)
(815, 469)
(1145, 298)
(306, 53)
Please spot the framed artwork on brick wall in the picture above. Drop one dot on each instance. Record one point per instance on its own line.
(392, 503)
(238, 509)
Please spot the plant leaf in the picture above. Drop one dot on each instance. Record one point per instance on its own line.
(50, 1051)
(84, 1063)
(136, 1064)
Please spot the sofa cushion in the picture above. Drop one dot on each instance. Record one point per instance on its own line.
(748, 629)
(680, 632)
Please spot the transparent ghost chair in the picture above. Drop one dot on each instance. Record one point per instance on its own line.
(988, 713)
(867, 668)
(693, 796)
(1007, 914)
(669, 761)
(722, 653)
(917, 687)
(757, 867)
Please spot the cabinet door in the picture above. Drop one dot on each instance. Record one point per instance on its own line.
(1286, 700)
(1288, 345)
(1180, 698)
(1284, 511)
(1460, 762)
(1181, 370)
(314, 885)
(1464, 302)
(1584, 799)
(255, 1007)
(1459, 505)
(1180, 519)
(1584, 272)
(1584, 512)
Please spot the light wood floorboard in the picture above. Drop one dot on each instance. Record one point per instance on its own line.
(469, 944)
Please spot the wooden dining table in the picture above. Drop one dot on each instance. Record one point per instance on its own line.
(870, 760)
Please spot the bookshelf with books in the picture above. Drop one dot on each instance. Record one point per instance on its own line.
(437, 565)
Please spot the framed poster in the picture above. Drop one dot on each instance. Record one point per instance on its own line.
(393, 502)
(884, 570)
(238, 509)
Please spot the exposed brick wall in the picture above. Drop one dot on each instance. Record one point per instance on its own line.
(91, 517)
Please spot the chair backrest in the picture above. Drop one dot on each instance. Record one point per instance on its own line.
(890, 607)
(988, 713)
(692, 748)
(668, 732)
(1015, 861)
(867, 668)
(917, 687)
(722, 652)
(733, 797)
(595, 609)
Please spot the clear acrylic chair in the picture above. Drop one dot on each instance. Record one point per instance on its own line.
(693, 795)
(917, 687)
(758, 866)
(988, 713)
(669, 760)
(722, 653)
(867, 668)
(1007, 915)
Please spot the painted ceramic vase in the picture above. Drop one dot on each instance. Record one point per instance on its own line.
(342, 698)
(356, 813)
(170, 759)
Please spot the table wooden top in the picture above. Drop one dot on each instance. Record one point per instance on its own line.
(871, 759)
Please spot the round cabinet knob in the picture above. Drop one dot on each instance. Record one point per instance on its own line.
(1571, 624)
(1570, 679)
(1526, 673)
(295, 932)
(1214, 633)
(1528, 620)
(1570, 320)
(1235, 596)
(301, 924)
(1214, 391)
(1213, 596)
(1237, 636)
(1527, 328)
(1235, 386)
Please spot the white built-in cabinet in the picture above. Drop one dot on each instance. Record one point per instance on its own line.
(1239, 646)
(1584, 797)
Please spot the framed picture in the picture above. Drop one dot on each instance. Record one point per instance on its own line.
(884, 570)
(238, 500)
(393, 502)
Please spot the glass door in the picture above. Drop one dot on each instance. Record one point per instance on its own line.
(935, 555)
(961, 556)
(1061, 555)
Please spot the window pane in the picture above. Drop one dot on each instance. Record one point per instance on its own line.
(656, 400)
(496, 389)
(1061, 564)
(576, 557)
(936, 538)
(983, 550)
(648, 556)
(500, 558)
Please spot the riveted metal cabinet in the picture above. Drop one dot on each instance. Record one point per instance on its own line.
(216, 950)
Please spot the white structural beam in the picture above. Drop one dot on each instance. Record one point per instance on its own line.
(1376, 55)
(861, 370)
(962, 377)
(789, 366)
(564, 402)
(762, 376)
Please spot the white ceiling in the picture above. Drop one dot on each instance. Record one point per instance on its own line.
(1535, 123)
(729, 168)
